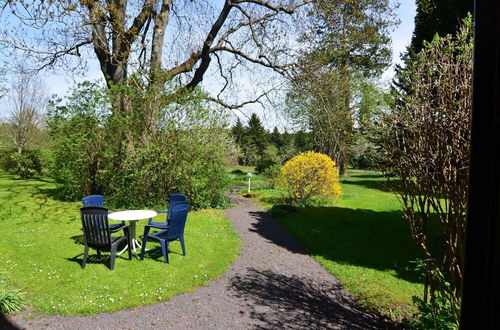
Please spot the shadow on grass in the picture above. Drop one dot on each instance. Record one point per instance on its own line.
(154, 252)
(6, 324)
(377, 240)
(93, 257)
(281, 301)
(388, 186)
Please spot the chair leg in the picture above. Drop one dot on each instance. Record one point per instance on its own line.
(182, 245)
(85, 254)
(144, 241)
(113, 255)
(164, 250)
(129, 242)
(99, 253)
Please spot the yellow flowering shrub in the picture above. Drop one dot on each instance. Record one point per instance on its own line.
(310, 174)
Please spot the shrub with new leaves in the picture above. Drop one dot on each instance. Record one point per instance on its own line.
(310, 174)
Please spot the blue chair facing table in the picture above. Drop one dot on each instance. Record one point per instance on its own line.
(171, 231)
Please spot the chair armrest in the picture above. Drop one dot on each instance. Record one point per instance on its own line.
(118, 229)
(157, 225)
(150, 220)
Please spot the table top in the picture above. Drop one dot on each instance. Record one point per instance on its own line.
(132, 215)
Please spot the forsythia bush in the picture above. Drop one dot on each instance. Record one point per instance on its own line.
(310, 174)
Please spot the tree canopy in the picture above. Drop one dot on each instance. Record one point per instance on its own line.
(177, 38)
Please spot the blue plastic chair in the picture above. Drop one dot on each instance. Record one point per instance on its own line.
(174, 199)
(93, 200)
(97, 234)
(98, 201)
(174, 231)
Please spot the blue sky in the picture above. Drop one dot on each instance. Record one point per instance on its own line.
(401, 36)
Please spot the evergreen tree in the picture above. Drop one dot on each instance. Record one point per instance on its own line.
(256, 133)
(287, 150)
(302, 141)
(438, 16)
(276, 138)
(238, 132)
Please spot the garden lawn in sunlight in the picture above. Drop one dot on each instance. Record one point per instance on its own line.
(361, 239)
(238, 175)
(41, 251)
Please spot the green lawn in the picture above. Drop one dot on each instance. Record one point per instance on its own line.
(41, 251)
(362, 240)
(238, 175)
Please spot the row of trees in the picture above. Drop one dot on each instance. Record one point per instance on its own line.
(263, 148)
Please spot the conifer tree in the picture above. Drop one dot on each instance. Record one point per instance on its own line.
(238, 132)
(256, 133)
(438, 16)
(276, 138)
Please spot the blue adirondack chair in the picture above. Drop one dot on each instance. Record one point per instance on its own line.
(174, 199)
(98, 201)
(174, 230)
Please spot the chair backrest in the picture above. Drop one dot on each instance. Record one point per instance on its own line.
(93, 200)
(175, 199)
(177, 222)
(95, 226)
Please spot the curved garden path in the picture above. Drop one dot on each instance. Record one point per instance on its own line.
(272, 285)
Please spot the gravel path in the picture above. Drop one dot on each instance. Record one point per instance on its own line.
(272, 285)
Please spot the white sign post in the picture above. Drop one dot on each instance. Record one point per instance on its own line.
(249, 175)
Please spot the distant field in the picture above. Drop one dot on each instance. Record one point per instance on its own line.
(238, 175)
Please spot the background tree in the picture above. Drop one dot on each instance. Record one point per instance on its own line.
(371, 106)
(238, 132)
(157, 50)
(438, 16)
(27, 102)
(302, 141)
(349, 38)
(276, 138)
(256, 134)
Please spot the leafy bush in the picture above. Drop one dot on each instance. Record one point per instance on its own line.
(10, 301)
(272, 174)
(100, 150)
(6, 161)
(269, 157)
(432, 315)
(24, 165)
(310, 174)
(27, 164)
(77, 128)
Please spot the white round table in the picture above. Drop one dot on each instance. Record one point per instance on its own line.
(132, 216)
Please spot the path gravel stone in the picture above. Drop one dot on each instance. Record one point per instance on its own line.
(272, 285)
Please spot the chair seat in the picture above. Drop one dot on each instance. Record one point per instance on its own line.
(114, 240)
(162, 235)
